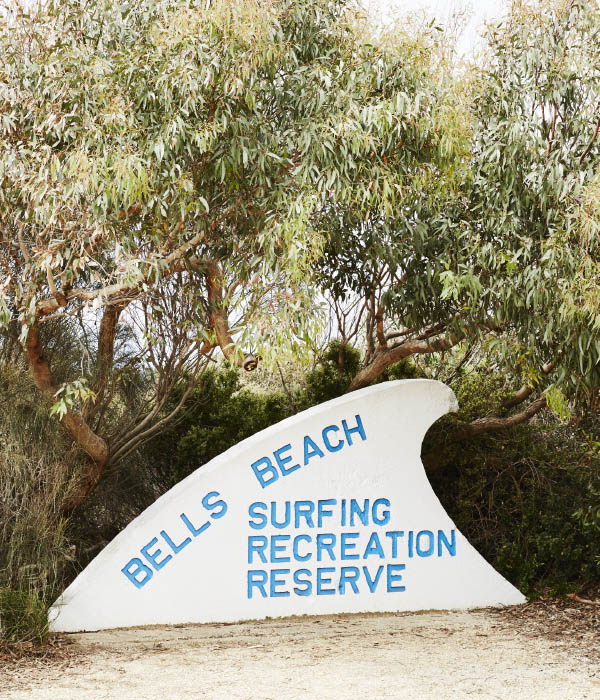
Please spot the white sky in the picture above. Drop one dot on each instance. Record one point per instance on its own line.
(481, 10)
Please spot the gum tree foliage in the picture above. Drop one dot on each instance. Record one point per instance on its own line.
(537, 183)
(164, 169)
(500, 246)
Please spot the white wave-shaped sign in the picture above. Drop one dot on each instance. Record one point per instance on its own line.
(329, 511)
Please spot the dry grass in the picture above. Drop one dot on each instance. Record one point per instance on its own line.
(35, 468)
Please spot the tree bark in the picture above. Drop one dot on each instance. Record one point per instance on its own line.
(218, 313)
(106, 354)
(384, 357)
(526, 390)
(95, 447)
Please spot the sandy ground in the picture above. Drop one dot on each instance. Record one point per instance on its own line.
(437, 655)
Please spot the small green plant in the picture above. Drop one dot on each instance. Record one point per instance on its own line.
(71, 394)
(558, 404)
(23, 617)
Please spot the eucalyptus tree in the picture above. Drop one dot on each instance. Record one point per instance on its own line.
(167, 163)
(536, 183)
(501, 244)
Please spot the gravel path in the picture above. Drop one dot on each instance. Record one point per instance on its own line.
(531, 652)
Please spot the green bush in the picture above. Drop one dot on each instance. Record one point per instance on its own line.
(332, 375)
(220, 413)
(23, 617)
(527, 497)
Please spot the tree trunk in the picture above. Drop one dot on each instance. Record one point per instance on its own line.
(93, 445)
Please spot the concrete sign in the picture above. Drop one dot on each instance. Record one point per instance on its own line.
(329, 511)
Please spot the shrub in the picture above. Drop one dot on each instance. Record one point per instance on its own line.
(527, 497)
(221, 412)
(23, 616)
(332, 375)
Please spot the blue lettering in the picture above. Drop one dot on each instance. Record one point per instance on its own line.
(287, 517)
(311, 449)
(257, 579)
(394, 535)
(257, 545)
(358, 429)
(450, 546)
(195, 531)
(297, 555)
(276, 547)
(304, 509)
(268, 474)
(393, 577)
(345, 545)
(307, 583)
(175, 547)
(383, 519)
(374, 547)
(348, 574)
(425, 552)
(363, 515)
(322, 579)
(372, 583)
(152, 557)
(261, 517)
(325, 542)
(219, 503)
(134, 568)
(276, 582)
(282, 461)
(323, 512)
(328, 445)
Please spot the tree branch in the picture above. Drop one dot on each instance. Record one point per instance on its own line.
(435, 459)
(219, 321)
(384, 357)
(552, 130)
(106, 353)
(591, 143)
(525, 391)
(133, 441)
(22, 246)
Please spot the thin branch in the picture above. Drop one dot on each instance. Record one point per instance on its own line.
(552, 130)
(525, 391)
(24, 252)
(129, 445)
(591, 143)
(286, 388)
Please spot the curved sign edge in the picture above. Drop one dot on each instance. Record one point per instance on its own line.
(445, 402)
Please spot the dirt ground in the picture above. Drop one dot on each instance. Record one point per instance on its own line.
(542, 651)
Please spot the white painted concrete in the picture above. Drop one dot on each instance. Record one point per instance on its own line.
(190, 557)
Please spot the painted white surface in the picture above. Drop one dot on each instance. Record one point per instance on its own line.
(207, 580)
